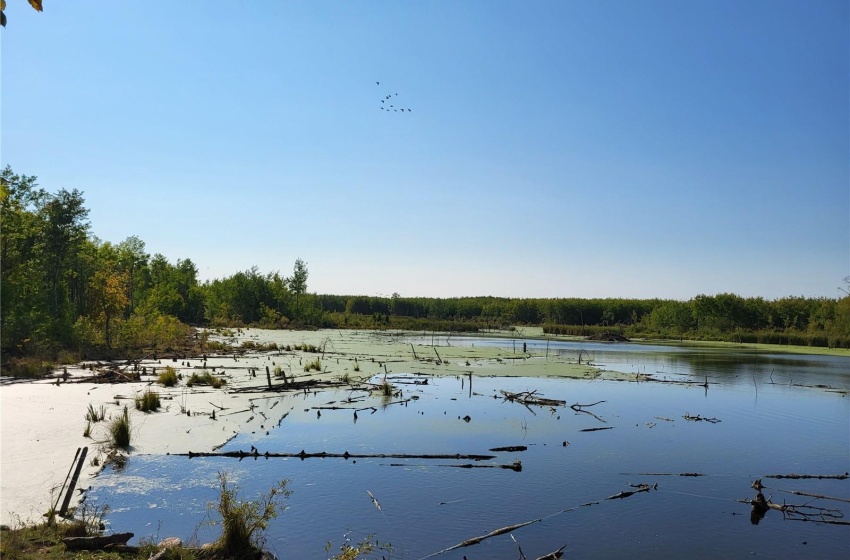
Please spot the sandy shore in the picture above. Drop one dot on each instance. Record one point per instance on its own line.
(42, 423)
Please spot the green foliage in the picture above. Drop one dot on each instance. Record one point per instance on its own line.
(242, 522)
(148, 401)
(206, 378)
(168, 378)
(119, 429)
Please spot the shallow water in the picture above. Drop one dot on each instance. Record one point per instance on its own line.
(428, 505)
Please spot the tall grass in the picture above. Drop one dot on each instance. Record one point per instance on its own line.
(314, 365)
(243, 522)
(385, 388)
(168, 378)
(148, 401)
(119, 429)
(206, 378)
(94, 415)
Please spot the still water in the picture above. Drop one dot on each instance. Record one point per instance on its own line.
(777, 413)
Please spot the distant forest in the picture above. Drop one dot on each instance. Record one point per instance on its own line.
(67, 294)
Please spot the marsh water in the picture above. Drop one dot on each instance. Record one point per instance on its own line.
(776, 414)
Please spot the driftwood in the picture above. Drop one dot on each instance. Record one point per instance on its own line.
(553, 555)
(515, 466)
(97, 542)
(798, 476)
(671, 474)
(793, 512)
(698, 418)
(597, 429)
(476, 540)
(580, 408)
(325, 455)
(529, 397)
(510, 448)
(639, 488)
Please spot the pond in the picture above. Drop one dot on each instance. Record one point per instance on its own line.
(776, 414)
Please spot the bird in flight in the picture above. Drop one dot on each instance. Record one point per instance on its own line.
(377, 83)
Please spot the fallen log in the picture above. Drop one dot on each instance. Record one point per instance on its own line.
(800, 476)
(476, 540)
(597, 429)
(515, 466)
(97, 542)
(325, 455)
(510, 448)
(640, 488)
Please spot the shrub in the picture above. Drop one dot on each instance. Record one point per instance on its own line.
(168, 378)
(148, 401)
(314, 365)
(120, 430)
(242, 523)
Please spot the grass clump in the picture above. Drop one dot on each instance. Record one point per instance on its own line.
(314, 365)
(385, 388)
(206, 378)
(168, 378)
(119, 429)
(243, 522)
(87, 431)
(356, 365)
(148, 401)
(94, 415)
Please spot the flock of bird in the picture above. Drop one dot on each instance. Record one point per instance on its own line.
(387, 103)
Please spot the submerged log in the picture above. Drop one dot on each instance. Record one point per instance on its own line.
(639, 488)
(510, 448)
(325, 455)
(476, 540)
(799, 476)
(97, 542)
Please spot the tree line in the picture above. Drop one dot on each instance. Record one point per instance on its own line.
(66, 291)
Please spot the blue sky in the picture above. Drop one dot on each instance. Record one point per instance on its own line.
(554, 149)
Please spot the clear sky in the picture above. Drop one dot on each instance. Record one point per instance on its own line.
(552, 148)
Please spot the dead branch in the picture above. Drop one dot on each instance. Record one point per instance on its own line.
(529, 397)
(477, 540)
(578, 407)
(553, 555)
(640, 488)
(597, 429)
(510, 448)
(698, 418)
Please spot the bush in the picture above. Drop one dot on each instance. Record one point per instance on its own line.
(242, 523)
(314, 365)
(119, 429)
(148, 401)
(168, 378)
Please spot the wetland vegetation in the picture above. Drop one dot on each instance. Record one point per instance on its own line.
(403, 401)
